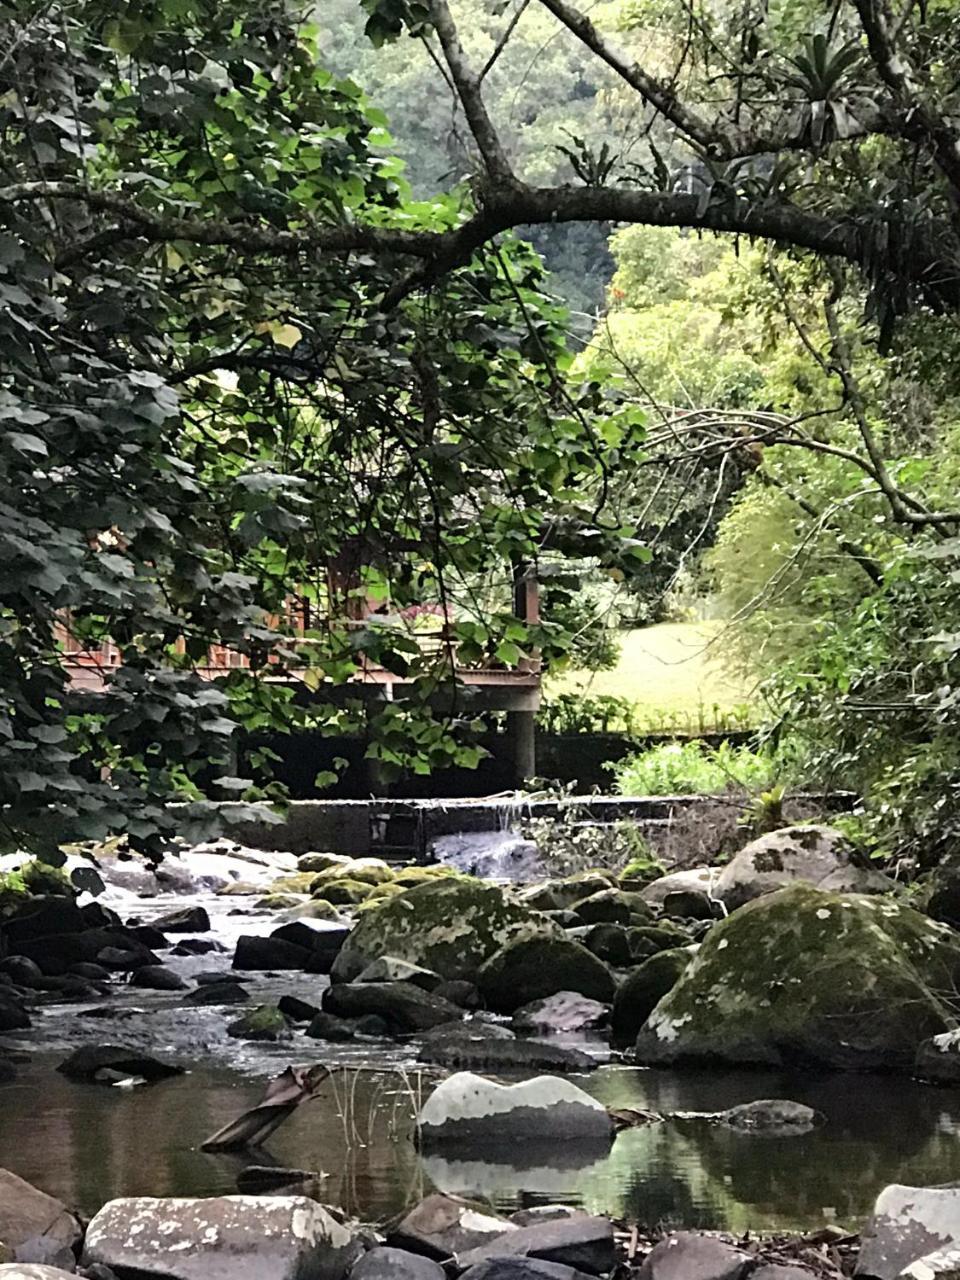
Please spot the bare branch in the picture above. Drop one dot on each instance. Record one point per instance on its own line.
(504, 39)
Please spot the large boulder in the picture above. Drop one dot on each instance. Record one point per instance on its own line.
(908, 1223)
(530, 969)
(582, 1241)
(448, 925)
(469, 1109)
(687, 1255)
(813, 855)
(561, 1013)
(184, 920)
(405, 1007)
(643, 989)
(396, 1264)
(801, 975)
(222, 1238)
(693, 880)
(35, 1227)
(371, 871)
(269, 953)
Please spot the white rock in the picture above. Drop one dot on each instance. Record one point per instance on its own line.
(222, 1238)
(910, 1224)
(467, 1107)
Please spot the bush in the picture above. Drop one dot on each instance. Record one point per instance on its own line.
(693, 768)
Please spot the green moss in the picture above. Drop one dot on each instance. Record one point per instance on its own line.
(411, 876)
(363, 870)
(296, 882)
(534, 968)
(450, 926)
(265, 1022)
(840, 978)
(643, 989)
(344, 892)
(41, 878)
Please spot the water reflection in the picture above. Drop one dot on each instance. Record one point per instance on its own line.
(87, 1143)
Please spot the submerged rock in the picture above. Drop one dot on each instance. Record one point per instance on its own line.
(813, 855)
(643, 989)
(441, 1226)
(212, 994)
(405, 1007)
(777, 1117)
(908, 1223)
(185, 920)
(687, 1255)
(35, 1227)
(449, 925)
(156, 977)
(86, 1062)
(533, 968)
(222, 1238)
(802, 975)
(470, 1109)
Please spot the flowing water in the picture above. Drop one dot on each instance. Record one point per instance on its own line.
(89, 1143)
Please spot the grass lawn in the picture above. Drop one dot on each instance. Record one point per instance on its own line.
(671, 671)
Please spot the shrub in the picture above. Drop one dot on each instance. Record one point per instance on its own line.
(693, 768)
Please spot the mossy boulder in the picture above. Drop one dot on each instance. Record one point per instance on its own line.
(450, 925)
(265, 1022)
(295, 882)
(364, 870)
(556, 895)
(605, 907)
(277, 902)
(315, 909)
(343, 893)
(647, 940)
(533, 968)
(411, 876)
(317, 862)
(801, 975)
(390, 890)
(643, 989)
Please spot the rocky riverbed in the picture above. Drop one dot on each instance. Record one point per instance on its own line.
(233, 964)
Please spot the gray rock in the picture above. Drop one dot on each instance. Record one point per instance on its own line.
(185, 920)
(222, 1238)
(324, 1026)
(475, 1048)
(297, 1010)
(467, 1108)
(564, 1012)
(34, 1226)
(265, 1022)
(694, 879)
(690, 904)
(390, 969)
(543, 1213)
(814, 855)
(943, 1264)
(85, 1063)
(197, 947)
(321, 938)
(584, 1242)
(609, 906)
(33, 1271)
(777, 1117)
(521, 1268)
(608, 942)
(405, 1007)
(783, 1271)
(13, 1016)
(441, 1226)
(218, 993)
(690, 1256)
(907, 1223)
(269, 953)
(534, 968)
(938, 1058)
(643, 989)
(24, 971)
(155, 977)
(395, 1264)
(459, 992)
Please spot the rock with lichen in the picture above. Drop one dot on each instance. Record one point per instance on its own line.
(800, 975)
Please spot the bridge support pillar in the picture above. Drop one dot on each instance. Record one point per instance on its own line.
(522, 745)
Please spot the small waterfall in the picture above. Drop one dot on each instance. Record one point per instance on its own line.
(499, 854)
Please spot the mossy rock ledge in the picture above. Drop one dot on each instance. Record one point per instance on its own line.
(804, 976)
(449, 925)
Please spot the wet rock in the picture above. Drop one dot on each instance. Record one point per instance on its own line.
(343, 893)
(217, 993)
(812, 855)
(269, 953)
(908, 1223)
(691, 904)
(149, 935)
(564, 1012)
(324, 1026)
(373, 1026)
(938, 1059)
(222, 1238)
(533, 968)
(33, 1271)
(127, 958)
(22, 970)
(86, 1062)
(556, 895)
(13, 1016)
(690, 1256)
(185, 920)
(448, 925)
(297, 1010)
(35, 1227)
(369, 871)
(258, 1178)
(197, 947)
(782, 1271)
(606, 907)
(42, 917)
(643, 989)
(543, 1213)
(521, 1268)
(390, 969)
(782, 980)
(316, 862)
(265, 1022)
(321, 938)
(777, 1117)
(646, 940)
(459, 992)
(608, 942)
(155, 977)
(469, 1109)
(91, 971)
(583, 1242)
(405, 1008)
(72, 987)
(395, 1264)
(443, 1226)
(467, 1049)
